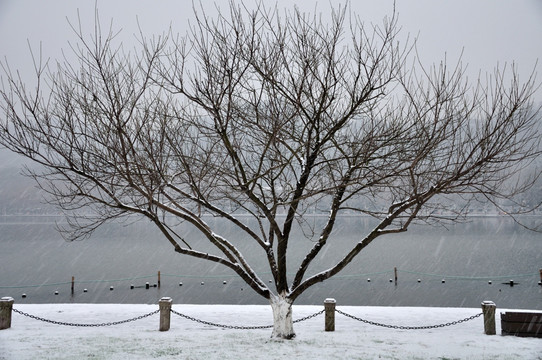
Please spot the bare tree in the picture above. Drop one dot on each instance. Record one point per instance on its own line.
(270, 115)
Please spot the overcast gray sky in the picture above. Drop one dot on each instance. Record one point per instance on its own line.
(490, 32)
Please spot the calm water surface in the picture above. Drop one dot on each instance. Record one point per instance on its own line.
(36, 261)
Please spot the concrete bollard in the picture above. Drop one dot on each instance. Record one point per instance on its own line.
(329, 307)
(488, 309)
(6, 307)
(165, 313)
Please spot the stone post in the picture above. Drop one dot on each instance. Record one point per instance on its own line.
(6, 306)
(165, 313)
(329, 307)
(488, 309)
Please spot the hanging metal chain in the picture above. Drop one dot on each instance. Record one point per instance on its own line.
(409, 327)
(310, 316)
(249, 327)
(220, 325)
(241, 327)
(85, 325)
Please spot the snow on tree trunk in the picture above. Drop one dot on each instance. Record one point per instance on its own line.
(283, 326)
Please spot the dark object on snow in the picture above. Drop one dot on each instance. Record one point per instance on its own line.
(524, 324)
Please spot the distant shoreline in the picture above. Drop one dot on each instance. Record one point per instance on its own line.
(492, 215)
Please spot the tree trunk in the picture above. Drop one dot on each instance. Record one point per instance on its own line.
(283, 326)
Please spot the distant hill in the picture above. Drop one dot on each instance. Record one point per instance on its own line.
(19, 194)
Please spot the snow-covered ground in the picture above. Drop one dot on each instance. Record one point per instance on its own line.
(32, 339)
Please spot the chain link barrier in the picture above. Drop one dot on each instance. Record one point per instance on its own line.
(236, 327)
(409, 327)
(85, 325)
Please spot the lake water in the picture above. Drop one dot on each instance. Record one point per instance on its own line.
(36, 261)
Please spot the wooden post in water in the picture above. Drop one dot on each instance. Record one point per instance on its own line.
(73, 284)
(395, 273)
(540, 275)
(159, 278)
(329, 307)
(6, 307)
(165, 313)
(488, 309)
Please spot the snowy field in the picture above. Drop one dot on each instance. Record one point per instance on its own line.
(32, 339)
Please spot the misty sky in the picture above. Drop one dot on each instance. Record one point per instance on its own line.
(489, 32)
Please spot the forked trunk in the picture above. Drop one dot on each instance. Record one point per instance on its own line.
(283, 326)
